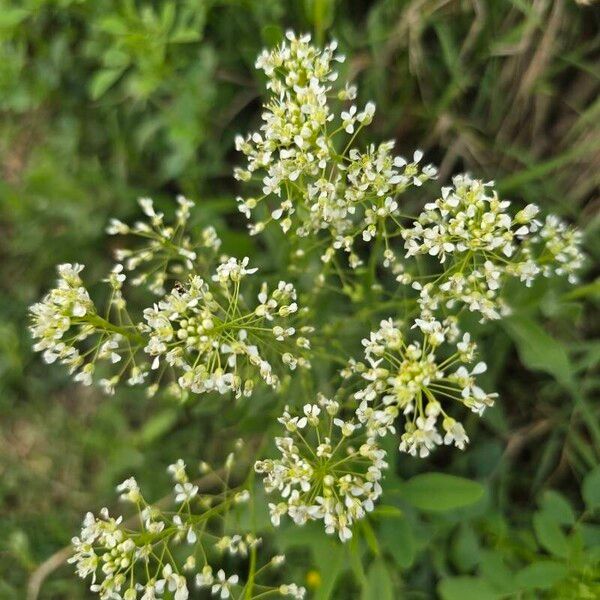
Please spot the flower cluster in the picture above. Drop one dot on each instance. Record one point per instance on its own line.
(214, 341)
(65, 305)
(480, 245)
(407, 377)
(69, 329)
(202, 334)
(314, 185)
(139, 564)
(216, 330)
(168, 252)
(323, 473)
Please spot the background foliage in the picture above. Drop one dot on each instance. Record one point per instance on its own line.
(101, 102)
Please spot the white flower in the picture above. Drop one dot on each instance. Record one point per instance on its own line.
(184, 492)
(205, 578)
(291, 589)
(130, 490)
(223, 584)
(455, 433)
(173, 582)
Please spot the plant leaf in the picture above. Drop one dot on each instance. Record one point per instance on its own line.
(591, 489)
(549, 534)
(467, 588)
(440, 492)
(379, 583)
(541, 575)
(538, 350)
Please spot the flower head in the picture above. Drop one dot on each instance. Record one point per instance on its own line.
(320, 475)
(408, 378)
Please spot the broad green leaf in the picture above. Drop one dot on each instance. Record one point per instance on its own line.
(355, 558)
(591, 489)
(549, 534)
(320, 13)
(494, 569)
(541, 575)
(329, 556)
(396, 537)
(538, 350)
(555, 505)
(467, 588)
(369, 536)
(465, 550)
(440, 492)
(583, 291)
(378, 585)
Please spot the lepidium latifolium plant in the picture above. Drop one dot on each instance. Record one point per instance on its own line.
(389, 358)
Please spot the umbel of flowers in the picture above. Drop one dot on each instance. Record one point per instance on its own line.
(327, 471)
(209, 327)
(313, 180)
(480, 245)
(409, 378)
(139, 563)
(215, 341)
(205, 334)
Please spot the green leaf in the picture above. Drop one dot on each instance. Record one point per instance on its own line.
(396, 537)
(556, 505)
(185, 36)
(11, 17)
(329, 556)
(591, 489)
(467, 588)
(386, 511)
(440, 492)
(370, 537)
(379, 584)
(538, 350)
(541, 575)
(465, 550)
(156, 427)
(103, 80)
(494, 569)
(549, 534)
(584, 291)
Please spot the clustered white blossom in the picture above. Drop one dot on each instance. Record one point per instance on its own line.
(411, 379)
(138, 564)
(327, 470)
(310, 183)
(203, 334)
(63, 306)
(480, 245)
(215, 341)
(66, 318)
(169, 252)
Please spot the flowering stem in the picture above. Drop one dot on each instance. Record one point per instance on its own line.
(251, 573)
(127, 332)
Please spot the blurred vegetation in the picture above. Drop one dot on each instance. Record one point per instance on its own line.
(101, 102)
